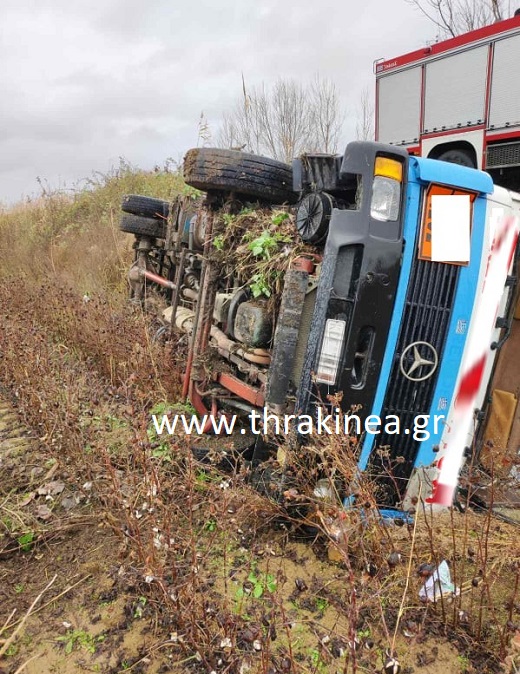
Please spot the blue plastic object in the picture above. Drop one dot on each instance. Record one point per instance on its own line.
(390, 516)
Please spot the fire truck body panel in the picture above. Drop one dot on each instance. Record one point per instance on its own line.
(399, 96)
(461, 94)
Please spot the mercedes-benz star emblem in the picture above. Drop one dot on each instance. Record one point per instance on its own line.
(419, 361)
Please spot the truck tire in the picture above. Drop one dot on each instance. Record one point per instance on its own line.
(211, 169)
(455, 156)
(136, 224)
(147, 207)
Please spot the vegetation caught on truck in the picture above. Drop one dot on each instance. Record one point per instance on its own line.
(457, 100)
(378, 292)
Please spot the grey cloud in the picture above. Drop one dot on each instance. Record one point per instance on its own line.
(84, 83)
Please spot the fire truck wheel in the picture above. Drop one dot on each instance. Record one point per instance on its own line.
(211, 169)
(135, 224)
(147, 207)
(458, 157)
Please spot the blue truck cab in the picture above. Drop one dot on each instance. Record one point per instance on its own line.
(414, 302)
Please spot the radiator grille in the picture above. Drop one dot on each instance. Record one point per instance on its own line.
(506, 154)
(426, 316)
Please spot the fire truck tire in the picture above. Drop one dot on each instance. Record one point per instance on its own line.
(212, 169)
(147, 207)
(136, 224)
(458, 157)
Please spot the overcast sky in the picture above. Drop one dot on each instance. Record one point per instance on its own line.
(84, 82)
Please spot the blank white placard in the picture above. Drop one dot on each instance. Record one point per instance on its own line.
(450, 228)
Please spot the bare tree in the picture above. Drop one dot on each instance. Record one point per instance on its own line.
(365, 117)
(227, 134)
(326, 115)
(285, 120)
(453, 17)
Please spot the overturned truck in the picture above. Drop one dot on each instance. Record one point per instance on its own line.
(371, 284)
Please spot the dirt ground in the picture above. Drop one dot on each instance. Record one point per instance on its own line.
(94, 615)
(91, 617)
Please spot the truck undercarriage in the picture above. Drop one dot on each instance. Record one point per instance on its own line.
(290, 309)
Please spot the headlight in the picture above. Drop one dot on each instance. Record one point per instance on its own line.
(386, 197)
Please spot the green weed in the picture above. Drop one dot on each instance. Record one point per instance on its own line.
(463, 663)
(317, 661)
(218, 242)
(279, 218)
(80, 639)
(139, 607)
(266, 244)
(260, 286)
(210, 525)
(26, 540)
(256, 585)
(321, 604)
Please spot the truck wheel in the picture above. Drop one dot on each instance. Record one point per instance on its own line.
(211, 169)
(135, 224)
(313, 216)
(147, 207)
(461, 157)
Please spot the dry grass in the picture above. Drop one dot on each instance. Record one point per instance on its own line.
(75, 237)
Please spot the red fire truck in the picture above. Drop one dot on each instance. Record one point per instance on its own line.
(457, 100)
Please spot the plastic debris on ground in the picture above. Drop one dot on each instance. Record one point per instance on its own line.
(388, 516)
(438, 585)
